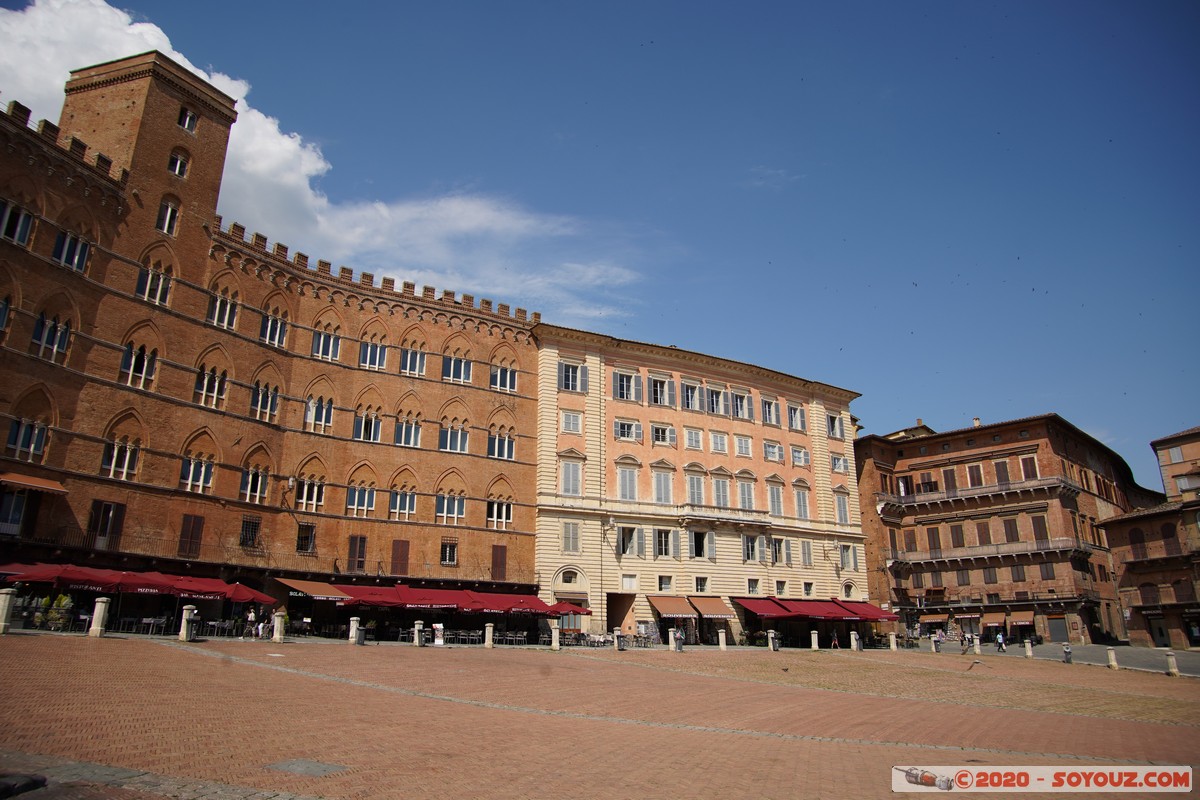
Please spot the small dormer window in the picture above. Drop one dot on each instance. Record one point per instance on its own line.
(187, 119)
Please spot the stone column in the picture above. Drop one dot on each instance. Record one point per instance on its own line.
(488, 631)
(816, 645)
(419, 633)
(185, 624)
(1112, 658)
(933, 648)
(892, 640)
(771, 641)
(99, 617)
(1172, 666)
(854, 641)
(976, 641)
(279, 629)
(354, 630)
(554, 634)
(1028, 649)
(721, 638)
(6, 605)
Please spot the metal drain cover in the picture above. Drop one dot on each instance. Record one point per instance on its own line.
(303, 766)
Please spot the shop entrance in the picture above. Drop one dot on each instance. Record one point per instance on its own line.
(619, 612)
(1158, 631)
(1057, 627)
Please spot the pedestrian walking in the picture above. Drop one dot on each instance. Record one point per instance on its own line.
(1000, 643)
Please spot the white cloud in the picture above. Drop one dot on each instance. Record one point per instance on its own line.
(474, 243)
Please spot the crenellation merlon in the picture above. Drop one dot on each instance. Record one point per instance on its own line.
(76, 148)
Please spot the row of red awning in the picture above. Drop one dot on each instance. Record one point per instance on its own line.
(675, 607)
(401, 596)
(848, 610)
(93, 579)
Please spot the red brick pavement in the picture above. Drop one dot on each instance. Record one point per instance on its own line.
(513, 723)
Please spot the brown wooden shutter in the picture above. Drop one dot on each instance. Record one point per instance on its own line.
(499, 562)
(399, 556)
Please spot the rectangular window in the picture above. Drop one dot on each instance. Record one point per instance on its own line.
(702, 544)
(249, 536)
(752, 585)
(168, 217)
(662, 488)
(806, 553)
(119, 461)
(663, 540)
(452, 440)
(974, 475)
(1011, 534)
(1029, 469)
(502, 446)
(717, 442)
(264, 402)
(1047, 570)
(627, 430)
(662, 392)
(964, 577)
(408, 432)
(372, 355)
(918, 580)
(744, 445)
(796, 418)
(456, 369)
(1041, 533)
(499, 515)
(222, 311)
(809, 588)
(72, 252)
(254, 485)
(503, 379)
(849, 554)
(773, 451)
(982, 534)
(743, 408)
(570, 537)
(627, 386)
(195, 475)
(499, 562)
(935, 579)
(273, 330)
(695, 489)
(836, 430)
(751, 547)
(989, 575)
(450, 509)
(1018, 573)
(306, 538)
(572, 422)
(318, 415)
(780, 588)
(153, 286)
(571, 482)
(572, 377)
(360, 501)
(629, 583)
(842, 505)
(187, 119)
(701, 584)
(664, 583)
(402, 504)
(627, 483)
(718, 401)
(412, 362)
(777, 550)
(310, 494)
(326, 346)
(662, 435)
(356, 555)
(15, 223)
(801, 503)
(956, 536)
(721, 492)
(746, 495)
(191, 533)
(692, 397)
(775, 499)
(837, 462)
(693, 438)
(367, 427)
(770, 411)
(631, 541)
(177, 165)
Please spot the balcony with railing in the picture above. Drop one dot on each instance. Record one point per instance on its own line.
(1060, 544)
(1054, 485)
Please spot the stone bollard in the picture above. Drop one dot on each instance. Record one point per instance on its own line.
(892, 640)
(6, 605)
(816, 645)
(721, 638)
(978, 650)
(676, 637)
(1172, 666)
(185, 624)
(554, 635)
(279, 629)
(855, 641)
(1067, 656)
(933, 648)
(1028, 649)
(1112, 659)
(488, 631)
(354, 630)
(617, 639)
(419, 633)
(99, 617)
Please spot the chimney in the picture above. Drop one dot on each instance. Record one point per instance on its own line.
(976, 421)
(920, 422)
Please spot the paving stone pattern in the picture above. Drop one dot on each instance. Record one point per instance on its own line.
(142, 718)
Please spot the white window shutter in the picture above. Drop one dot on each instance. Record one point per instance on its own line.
(787, 551)
(854, 550)
(671, 437)
(671, 393)
(641, 543)
(616, 377)
(616, 429)
(637, 431)
(710, 545)
(583, 379)
(637, 388)
(691, 544)
(762, 548)
(675, 544)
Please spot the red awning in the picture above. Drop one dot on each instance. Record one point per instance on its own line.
(816, 609)
(712, 607)
(500, 603)
(763, 607)
(1020, 618)
(200, 588)
(381, 596)
(672, 607)
(30, 482)
(91, 579)
(563, 607)
(240, 593)
(437, 598)
(867, 611)
(314, 589)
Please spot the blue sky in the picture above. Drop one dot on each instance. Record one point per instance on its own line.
(955, 209)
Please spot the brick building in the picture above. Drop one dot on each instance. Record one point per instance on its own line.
(676, 489)
(996, 527)
(180, 397)
(1156, 551)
